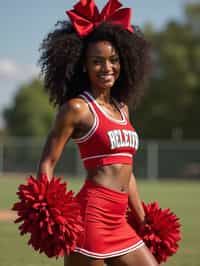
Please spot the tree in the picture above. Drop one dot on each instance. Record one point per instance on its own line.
(170, 108)
(172, 104)
(30, 114)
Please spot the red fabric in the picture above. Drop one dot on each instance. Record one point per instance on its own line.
(50, 214)
(161, 232)
(105, 226)
(109, 141)
(85, 16)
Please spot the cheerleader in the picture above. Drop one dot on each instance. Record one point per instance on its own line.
(94, 66)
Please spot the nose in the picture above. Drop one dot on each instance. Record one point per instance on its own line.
(107, 66)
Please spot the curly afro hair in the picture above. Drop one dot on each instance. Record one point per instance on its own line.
(62, 58)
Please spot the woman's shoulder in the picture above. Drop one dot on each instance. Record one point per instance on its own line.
(75, 107)
(124, 107)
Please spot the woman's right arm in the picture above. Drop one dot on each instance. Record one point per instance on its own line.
(66, 121)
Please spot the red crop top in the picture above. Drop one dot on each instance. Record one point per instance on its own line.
(109, 141)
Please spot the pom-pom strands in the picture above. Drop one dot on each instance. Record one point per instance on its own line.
(161, 232)
(50, 214)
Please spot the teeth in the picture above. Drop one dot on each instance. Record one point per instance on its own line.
(106, 76)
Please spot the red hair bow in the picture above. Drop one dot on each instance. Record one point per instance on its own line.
(85, 16)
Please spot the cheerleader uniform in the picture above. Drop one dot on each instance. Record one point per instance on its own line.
(109, 141)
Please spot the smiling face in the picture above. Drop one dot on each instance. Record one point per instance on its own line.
(102, 64)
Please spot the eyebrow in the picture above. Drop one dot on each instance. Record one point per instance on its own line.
(99, 56)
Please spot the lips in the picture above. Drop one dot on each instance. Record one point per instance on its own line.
(106, 76)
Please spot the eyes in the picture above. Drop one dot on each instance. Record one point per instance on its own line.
(100, 61)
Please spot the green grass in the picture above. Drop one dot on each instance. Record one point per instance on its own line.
(182, 197)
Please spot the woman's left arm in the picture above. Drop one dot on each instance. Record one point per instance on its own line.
(135, 203)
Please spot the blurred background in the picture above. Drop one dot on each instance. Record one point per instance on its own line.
(168, 120)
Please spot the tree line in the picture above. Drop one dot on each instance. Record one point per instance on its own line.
(170, 108)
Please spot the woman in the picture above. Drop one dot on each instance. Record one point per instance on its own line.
(94, 73)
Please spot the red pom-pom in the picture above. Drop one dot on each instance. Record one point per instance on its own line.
(161, 230)
(50, 214)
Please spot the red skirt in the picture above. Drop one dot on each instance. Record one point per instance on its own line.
(106, 231)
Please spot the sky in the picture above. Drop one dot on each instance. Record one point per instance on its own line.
(23, 25)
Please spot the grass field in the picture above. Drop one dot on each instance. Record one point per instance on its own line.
(181, 196)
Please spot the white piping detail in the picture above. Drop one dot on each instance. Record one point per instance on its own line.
(107, 155)
(111, 254)
(122, 122)
(123, 114)
(94, 126)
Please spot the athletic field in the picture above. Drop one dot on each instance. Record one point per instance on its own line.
(181, 196)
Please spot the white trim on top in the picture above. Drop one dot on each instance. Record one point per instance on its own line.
(111, 254)
(123, 121)
(108, 155)
(94, 126)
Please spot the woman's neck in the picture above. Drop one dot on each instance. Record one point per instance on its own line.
(103, 96)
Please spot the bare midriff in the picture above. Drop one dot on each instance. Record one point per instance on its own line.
(116, 176)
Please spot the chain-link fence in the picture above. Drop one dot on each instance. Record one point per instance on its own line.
(155, 159)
